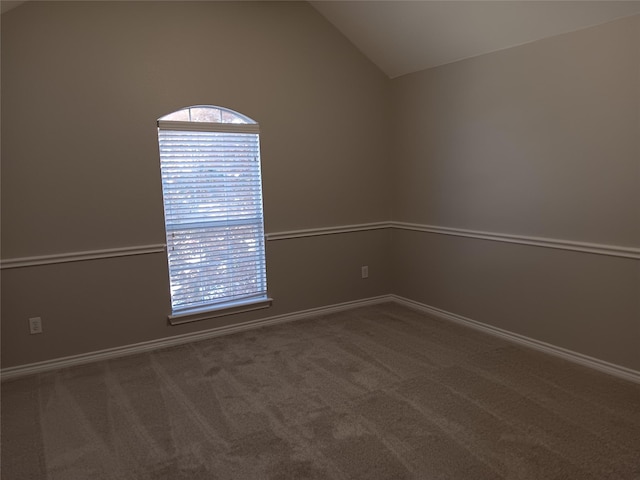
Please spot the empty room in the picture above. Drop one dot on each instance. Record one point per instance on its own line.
(320, 240)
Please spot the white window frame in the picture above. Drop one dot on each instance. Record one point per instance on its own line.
(221, 217)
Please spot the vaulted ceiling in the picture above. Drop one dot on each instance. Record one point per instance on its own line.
(402, 37)
(6, 5)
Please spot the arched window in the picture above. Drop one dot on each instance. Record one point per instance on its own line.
(212, 191)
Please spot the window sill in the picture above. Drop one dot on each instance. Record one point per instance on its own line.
(223, 310)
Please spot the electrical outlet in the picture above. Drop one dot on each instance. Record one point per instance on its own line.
(35, 325)
(365, 271)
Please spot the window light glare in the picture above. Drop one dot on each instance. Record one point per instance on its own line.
(212, 193)
(207, 114)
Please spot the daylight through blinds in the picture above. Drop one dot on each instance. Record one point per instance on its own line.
(213, 213)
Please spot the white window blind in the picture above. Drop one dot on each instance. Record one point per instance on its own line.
(212, 191)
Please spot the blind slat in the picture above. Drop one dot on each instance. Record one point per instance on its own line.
(212, 193)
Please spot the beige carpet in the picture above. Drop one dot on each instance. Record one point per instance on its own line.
(374, 393)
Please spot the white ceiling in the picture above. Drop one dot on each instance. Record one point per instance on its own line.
(403, 37)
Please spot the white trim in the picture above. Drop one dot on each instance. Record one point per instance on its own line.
(81, 256)
(173, 125)
(315, 232)
(575, 357)
(584, 247)
(111, 353)
(227, 308)
(597, 248)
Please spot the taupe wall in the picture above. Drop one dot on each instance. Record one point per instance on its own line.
(89, 306)
(82, 86)
(538, 140)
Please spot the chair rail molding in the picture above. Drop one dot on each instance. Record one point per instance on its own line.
(316, 232)
(585, 247)
(570, 245)
(81, 256)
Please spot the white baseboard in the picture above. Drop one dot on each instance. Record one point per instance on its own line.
(111, 353)
(575, 357)
(11, 373)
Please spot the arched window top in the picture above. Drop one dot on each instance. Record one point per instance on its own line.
(212, 194)
(208, 114)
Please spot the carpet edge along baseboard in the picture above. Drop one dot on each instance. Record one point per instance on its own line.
(19, 371)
